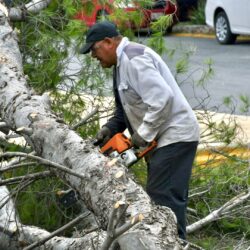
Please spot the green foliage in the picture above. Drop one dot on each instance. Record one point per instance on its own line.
(44, 42)
(143, 3)
(245, 103)
(222, 180)
(73, 28)
(157, 42)
(162, 24)
(182, 66)
(239, 225)
(227, 101)
(38, 206)
(12, 147)
(126, 21)
(140, 172)
(207, 73)
(198, 15)
(38, 203)
(69, 106)
(159, 28)
(71, 7)
(225, 132)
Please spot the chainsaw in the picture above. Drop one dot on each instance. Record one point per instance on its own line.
(121, 148)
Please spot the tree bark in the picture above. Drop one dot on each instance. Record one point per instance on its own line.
(34, 6)
(103, 185)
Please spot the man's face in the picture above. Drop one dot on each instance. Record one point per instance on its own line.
(105, 52)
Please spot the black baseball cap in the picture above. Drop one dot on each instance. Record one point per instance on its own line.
(97, 33)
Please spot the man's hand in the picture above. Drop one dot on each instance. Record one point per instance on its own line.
(138, 141)
(102, 136)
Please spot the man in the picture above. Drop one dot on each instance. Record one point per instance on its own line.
(150, 104)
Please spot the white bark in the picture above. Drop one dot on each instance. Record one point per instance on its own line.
(101, 186)
(219, 213)
(8, 218)
(34, 6)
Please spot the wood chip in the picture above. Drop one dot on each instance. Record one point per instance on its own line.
(4, 9)
(112, 162)
(119, 174)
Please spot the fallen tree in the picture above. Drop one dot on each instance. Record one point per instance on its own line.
(100, 184)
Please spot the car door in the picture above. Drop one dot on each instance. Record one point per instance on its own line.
(238, 14)
(248, 17)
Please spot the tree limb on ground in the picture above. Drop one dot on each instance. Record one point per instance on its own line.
(219, 213)
(33, 7)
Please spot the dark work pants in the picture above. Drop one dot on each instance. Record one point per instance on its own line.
(169, 171)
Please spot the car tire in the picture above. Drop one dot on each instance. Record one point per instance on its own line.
(222, 29)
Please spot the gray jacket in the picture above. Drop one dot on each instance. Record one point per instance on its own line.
(150, 98)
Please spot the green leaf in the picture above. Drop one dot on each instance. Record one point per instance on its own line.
(181, 66)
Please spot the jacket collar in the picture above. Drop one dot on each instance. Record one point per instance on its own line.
(124, 42)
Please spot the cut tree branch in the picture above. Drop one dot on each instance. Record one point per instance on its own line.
(44, 162)
(86, 118)
(217, 214)
(58, 231)
(15, 166)
(20, 187)
(34, 176)
(5, 165)
(115, 219)
(34, 6)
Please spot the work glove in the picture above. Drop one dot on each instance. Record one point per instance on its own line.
(138, 141)
(102, 136)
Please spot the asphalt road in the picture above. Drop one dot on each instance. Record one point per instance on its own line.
(231, 77)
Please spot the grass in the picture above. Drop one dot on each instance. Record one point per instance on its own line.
(198, 15)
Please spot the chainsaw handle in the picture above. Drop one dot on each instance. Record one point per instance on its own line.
(151, 146)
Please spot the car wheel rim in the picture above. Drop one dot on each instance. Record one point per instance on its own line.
(221, 28)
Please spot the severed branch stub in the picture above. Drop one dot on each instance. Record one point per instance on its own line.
(24, 130)
(4, 127)
(117, 224)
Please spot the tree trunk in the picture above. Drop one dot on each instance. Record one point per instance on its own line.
(102, 185)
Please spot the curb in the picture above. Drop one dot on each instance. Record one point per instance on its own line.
(193, 29)
(200, 31)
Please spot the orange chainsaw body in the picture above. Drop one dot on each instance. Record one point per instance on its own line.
(120, 143)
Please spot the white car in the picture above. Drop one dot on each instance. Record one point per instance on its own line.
(229, 18)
